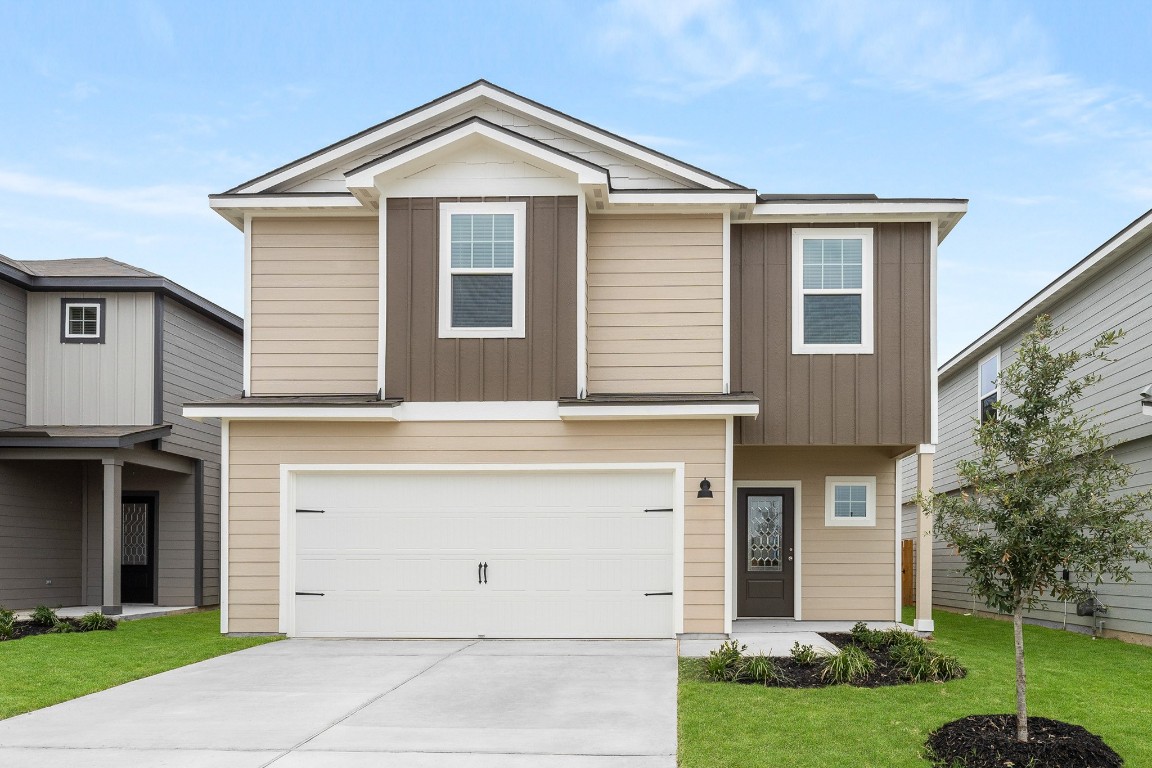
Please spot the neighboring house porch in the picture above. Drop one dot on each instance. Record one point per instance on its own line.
(58, 483)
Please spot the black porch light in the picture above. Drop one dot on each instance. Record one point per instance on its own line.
(705, 491)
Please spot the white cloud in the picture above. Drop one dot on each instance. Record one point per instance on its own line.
(998, 60)
(157, 200)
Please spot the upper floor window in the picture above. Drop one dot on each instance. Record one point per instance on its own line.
(989, 386)
(82, 321)
(850, 501)
(482, 268)
(832, 291)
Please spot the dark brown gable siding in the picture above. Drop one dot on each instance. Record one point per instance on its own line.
(878, 399)
(420, 366)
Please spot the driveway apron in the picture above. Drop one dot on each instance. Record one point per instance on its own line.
(296, 703)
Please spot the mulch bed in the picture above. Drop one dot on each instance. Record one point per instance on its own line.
(808, 675)
(25, 628)
(989, 741)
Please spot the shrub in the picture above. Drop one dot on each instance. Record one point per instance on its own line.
(43, 616)
(806, 654)
(724, 663)
(920, 664)
(848, 666)
(872, 639)
(7, 623)
(62, 627)
(946, 667)
(91, 622)
(895, 638)
(760, 669)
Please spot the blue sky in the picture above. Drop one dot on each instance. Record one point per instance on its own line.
(119, 118)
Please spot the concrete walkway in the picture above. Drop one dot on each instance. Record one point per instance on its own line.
(131, 612)
(386, 704)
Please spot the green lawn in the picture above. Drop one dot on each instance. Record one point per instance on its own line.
(39, 671)
(1103, 685)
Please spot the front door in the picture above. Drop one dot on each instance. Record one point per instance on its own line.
(138, 549)
(765, 577)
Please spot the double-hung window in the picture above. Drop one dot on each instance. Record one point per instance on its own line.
(82, 321)
(850, 501)
(482, 269)
(989, 372)
(832, 291)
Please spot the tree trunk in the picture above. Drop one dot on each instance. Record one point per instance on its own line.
(1021, 685)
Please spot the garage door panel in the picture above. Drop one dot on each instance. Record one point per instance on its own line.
(569, 554)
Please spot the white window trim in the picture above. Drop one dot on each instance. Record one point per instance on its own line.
(830, 519)
(980, 382)
(68, 305)
(519, 268)
(866, 291)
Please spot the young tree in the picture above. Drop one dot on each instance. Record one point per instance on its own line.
(1044, 494)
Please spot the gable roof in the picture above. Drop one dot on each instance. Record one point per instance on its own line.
(479, 91)
(1116, 247)
(103, 274)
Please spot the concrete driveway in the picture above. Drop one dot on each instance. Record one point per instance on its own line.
(456, 704)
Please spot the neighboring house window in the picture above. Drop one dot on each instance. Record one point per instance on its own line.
(832, 291)
(482, 269)
(82, 321)
(989, 386)
(850, 501)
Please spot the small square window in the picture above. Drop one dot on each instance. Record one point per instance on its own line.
(482, 270)
(82, 321)
(850, 501)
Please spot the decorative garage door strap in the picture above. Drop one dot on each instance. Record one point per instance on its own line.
(314, 594)
(309, 511)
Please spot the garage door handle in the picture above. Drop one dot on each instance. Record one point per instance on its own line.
(485, 573)
(314, 594)
(479, 570)
(654, 594)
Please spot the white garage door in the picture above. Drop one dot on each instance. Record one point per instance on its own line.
(492, 554)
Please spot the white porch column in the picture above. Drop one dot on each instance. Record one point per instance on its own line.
(113, 517)
(924, 457)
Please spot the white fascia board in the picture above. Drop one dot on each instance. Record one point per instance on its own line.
(657, 411)
(859, 207)
(1139, 228)
(516, 410)
(624, 197)
(460, 100)
(1147, 407)
(288, 413)
(554, 160)
(288, 200)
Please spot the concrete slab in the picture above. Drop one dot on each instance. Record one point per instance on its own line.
(359, 702)
(768, 643)
(131, 612)
(49, 757)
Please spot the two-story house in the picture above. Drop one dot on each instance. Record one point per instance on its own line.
(108, 494)
(508, 374)
(1110, 288)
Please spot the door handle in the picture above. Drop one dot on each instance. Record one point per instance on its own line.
(479, 570)
(485, 572)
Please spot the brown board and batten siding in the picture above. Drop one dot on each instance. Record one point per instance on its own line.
(257, 449)
(878, 399)
(315, 304)
(655, 303)
(420, 366)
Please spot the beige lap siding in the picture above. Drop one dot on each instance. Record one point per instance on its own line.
(315, 305)
(257, 449)
(655, 303)
(848, 572)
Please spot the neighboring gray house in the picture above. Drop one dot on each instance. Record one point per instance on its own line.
(96, 359)
(1111, 288)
